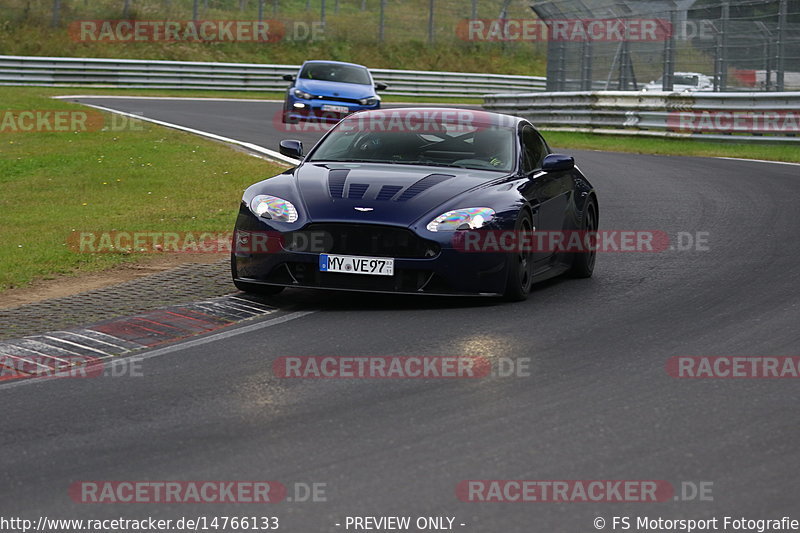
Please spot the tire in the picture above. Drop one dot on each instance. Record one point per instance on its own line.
(520, 268)
(253, 288)
(287, 119)
(583, 263)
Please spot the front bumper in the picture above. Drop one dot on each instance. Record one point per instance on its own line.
(422, 265)
(314, 109)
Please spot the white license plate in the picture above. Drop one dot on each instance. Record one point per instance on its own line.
(351, 264)
(336, 108)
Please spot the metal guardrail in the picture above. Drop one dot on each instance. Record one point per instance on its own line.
(738, 117)
(144, 74)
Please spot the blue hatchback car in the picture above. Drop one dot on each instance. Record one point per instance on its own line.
(329, 91)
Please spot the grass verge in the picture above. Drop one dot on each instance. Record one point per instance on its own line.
(145, 178)
(683, 147)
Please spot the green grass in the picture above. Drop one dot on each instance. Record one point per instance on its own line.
(349, 35)
(155, 179)
(682, 147)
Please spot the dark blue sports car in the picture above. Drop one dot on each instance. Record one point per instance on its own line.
(326, 91)
(420, 201)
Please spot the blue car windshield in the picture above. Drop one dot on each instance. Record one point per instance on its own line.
(432, 138)
(334, 72)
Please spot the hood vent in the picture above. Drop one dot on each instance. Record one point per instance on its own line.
(388, 191)
(357, 190)
(423, 185)
(336, 179)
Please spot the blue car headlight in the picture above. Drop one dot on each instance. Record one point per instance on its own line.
(462, 219)
(302, 94)
(368, 101)
(274, 208)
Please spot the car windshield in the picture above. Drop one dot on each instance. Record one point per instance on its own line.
(335, 72)
(446, 139)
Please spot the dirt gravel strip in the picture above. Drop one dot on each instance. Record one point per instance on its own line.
(186, 283)
(65, 352)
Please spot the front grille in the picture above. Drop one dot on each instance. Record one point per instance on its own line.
(308, 275)
(366, 239)
(341, 99)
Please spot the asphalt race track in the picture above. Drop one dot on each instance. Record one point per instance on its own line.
(598, 403)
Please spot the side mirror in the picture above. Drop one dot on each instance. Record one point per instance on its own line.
(558, 163)
(291, 148)
(288, 77)
(380, 86)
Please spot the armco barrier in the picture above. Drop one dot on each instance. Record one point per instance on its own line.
(738, 117)
(145, 74)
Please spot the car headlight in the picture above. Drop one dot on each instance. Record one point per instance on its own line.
(369, 101)
(302, 94)
(466, 218)
(274, 208)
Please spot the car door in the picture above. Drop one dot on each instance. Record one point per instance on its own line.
(548, 192)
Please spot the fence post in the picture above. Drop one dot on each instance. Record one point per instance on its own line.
(723, 58)
(474, 9)
(194, 10)
(667, 77)
(322, 12)
(781, 48)
(56, 13)
(431, 31)
(126, 4)
(260, 10)
(586, 62)
(381, 21)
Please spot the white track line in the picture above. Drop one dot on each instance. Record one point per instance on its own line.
(759, 161)
(195, 99)
(271, 154)
(158, 352)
